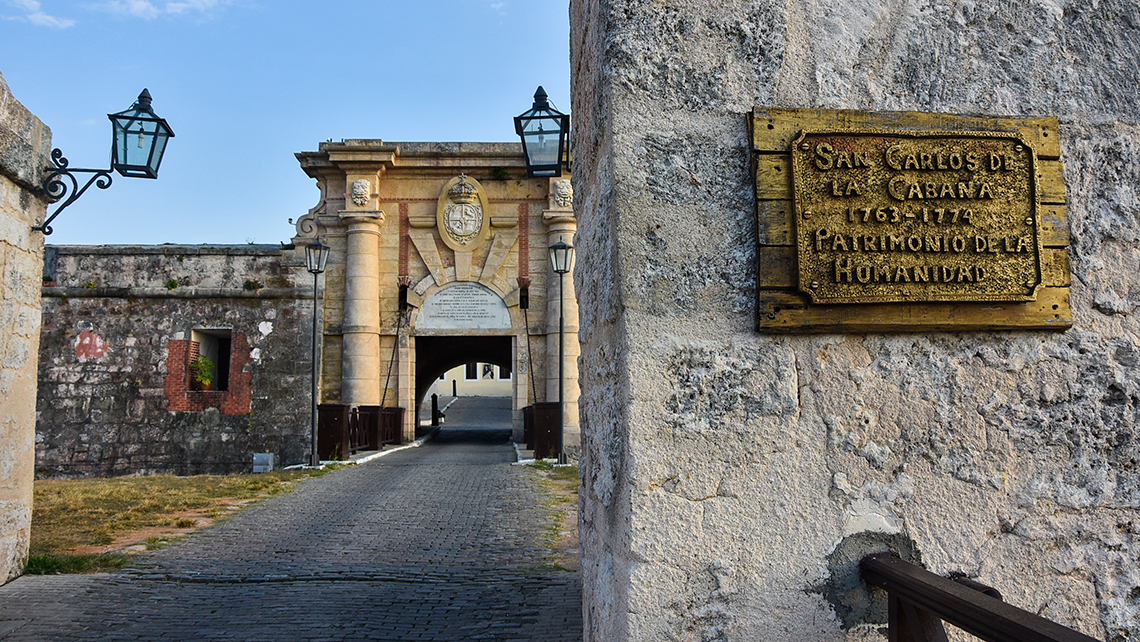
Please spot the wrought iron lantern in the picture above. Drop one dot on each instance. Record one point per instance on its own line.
(316, 255)
(138, 141)
(544, 131)
(561, 256)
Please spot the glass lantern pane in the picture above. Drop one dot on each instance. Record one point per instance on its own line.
(156, 157)
(138, 145)
(561, 256)
(316, 255)
(542, 142)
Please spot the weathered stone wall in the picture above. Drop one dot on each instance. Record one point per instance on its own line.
(24, 146)
(115, 393)
(722, 468)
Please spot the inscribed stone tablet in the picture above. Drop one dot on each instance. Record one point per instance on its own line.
(464, 306)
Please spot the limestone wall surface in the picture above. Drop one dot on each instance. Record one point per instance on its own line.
(116, 396)
(731, 479)
(25, 143)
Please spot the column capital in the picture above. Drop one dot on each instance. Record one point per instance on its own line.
(361, 220)
(560, 220)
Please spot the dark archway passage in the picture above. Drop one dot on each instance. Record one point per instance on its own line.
(436, 355)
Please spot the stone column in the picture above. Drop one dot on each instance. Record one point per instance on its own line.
(561, 225)
(406, 383)
(360, 383)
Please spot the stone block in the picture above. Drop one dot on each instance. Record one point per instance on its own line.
(984, 449)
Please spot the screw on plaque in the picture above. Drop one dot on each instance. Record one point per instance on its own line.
(807, 213)
(814, 284)
(805, 147)
(1029, 220)
(1020, 148)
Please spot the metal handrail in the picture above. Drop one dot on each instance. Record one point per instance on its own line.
(920, 601)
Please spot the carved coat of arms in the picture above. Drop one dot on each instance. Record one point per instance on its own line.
(463, 213)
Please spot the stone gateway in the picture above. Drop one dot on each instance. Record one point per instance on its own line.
(458, 232)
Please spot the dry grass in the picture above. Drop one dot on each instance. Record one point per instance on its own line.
(80, 525)
(560, 484)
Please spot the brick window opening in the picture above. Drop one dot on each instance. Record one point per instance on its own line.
(234, 372)
(504, 372)
(471, 372)
(215, 345)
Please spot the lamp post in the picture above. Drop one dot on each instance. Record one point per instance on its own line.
(561, 257)
(543, 130)
(317, 255)
(138, 141)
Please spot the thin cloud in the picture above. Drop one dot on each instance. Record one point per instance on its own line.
(35, 15)
(191, 5)
(148, 10)
(498, 6)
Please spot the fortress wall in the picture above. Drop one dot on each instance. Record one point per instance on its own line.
(731, 479)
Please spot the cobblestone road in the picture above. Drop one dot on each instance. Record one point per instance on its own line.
(430, 543)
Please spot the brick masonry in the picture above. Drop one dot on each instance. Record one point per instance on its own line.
(182, 397)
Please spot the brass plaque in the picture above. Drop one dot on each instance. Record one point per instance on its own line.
(888, 216)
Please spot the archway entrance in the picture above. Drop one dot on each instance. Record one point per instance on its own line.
(436, 355)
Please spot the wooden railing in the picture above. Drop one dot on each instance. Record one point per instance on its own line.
(540, 429)
(920, 601)
(343, 431)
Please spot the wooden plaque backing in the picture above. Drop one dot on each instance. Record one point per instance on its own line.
(781, 308)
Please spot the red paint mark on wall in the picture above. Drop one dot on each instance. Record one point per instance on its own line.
(90, 346)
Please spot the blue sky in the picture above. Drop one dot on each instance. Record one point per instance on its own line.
(246, 83)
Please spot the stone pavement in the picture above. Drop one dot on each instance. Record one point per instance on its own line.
(430, 543)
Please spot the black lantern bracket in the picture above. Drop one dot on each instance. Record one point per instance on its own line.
(138, 141)
(56, 189)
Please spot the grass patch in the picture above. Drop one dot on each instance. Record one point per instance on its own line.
(57, 563)
(67, 514)
(155, 543)
(560, 498)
